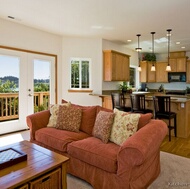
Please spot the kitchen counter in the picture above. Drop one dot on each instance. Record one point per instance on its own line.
(179, 104)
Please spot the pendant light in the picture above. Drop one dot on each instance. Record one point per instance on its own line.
(153, 66)
(168, 68)
(138, 49)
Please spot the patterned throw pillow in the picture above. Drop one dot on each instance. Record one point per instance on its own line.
(125, 125)
(102, 126)
(54, 108)
(69, 118)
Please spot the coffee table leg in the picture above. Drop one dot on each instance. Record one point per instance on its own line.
(64, 175)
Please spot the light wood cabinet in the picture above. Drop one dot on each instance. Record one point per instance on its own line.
(188, 72)
(161, 73)
(116, 66)
(146, 75)
(107, 102)
(178, 64)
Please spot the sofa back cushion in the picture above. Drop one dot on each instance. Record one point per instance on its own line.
(144, 119)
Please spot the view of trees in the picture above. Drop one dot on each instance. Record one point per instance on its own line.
(10, 84)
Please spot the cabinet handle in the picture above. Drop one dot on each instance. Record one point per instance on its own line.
(45, 179)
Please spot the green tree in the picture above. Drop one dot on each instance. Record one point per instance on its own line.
(38, 87)
(7, 87)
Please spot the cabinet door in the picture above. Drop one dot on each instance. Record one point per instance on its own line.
(173, 64)
(125, 69)
(107, 61)
(188, 72)
(116, 66)
(181, 64)
(161, 73)
(143, 73)
(151, 75)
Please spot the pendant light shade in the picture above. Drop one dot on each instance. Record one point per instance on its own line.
(138, 49)
(168, 68)
(153, 55)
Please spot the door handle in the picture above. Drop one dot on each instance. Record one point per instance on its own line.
(30, 95)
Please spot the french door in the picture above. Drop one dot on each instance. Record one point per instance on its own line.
(27, 85)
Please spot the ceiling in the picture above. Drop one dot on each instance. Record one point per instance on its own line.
(114, 20)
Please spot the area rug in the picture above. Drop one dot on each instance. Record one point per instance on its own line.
(175, 173)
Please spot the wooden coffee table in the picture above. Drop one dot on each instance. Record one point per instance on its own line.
(42, 169)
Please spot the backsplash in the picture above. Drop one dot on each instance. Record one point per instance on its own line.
(169, 86)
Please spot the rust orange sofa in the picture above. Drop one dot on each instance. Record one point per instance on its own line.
(133, 165)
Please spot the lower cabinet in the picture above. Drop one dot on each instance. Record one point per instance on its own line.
(50, 180)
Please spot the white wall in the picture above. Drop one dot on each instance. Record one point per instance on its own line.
(82, 48)
(16, 35)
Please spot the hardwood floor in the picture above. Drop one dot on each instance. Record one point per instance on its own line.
(178, 146)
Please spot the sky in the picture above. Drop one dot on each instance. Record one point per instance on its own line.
(9, 66)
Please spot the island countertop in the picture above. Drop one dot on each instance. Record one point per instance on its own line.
(179, 104)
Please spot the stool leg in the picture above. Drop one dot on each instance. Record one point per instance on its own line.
(175, 126)
(169, 127)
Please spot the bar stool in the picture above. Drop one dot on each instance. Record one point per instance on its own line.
(138, 104)
(118, 101)
(162, 110)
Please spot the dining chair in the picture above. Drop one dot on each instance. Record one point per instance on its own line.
(162, 110)
(118, 101)
(138, 104)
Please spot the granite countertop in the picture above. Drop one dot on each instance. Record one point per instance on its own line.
(149, 95)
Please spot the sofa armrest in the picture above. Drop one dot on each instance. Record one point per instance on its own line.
(37, 121)
(142, 145)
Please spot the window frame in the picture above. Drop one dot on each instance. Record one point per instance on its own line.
(80, 89)
(136, 75)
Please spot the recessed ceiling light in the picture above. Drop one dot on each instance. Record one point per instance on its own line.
(177, 43)
(129, 40)
(183, 47)
(96, 27)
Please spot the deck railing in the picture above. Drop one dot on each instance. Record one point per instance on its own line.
(9, 102)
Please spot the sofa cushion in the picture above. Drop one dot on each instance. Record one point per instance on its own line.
(58, 139)
(102, 126)
(96, 153)
(124, 126)
(54, 109)
(88, 117)
(69, 118)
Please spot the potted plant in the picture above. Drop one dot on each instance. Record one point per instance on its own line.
(125, 88)
(150, 57)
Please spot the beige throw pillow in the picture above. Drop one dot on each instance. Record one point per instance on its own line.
(54, 108)
(102, 126)
(124, 125)
(69, 118)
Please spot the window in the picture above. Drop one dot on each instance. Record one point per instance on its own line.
(80, 73)
(132, 80)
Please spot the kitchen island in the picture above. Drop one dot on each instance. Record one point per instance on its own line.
(179, 104)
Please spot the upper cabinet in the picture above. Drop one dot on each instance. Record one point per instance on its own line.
(161, 73)
(188, 72)
(178, 61)
(116, 66)
(146, 75)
